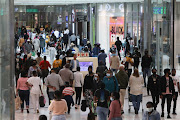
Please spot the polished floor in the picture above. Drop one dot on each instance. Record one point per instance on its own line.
(79, 115)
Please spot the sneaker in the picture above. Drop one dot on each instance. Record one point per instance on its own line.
(174, 113)
(27, 111)
(162, 115)
(169, 117)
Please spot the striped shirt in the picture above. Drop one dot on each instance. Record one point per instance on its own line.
(68, 91)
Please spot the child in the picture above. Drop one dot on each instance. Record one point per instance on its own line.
(68, 92)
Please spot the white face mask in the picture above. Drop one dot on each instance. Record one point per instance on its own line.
(111, 98)
(149, 109)
(108, 75)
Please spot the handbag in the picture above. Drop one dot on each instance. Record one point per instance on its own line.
(83, 105)
(42, 101)
(18, 102)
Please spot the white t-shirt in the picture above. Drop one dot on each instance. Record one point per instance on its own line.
(78, 78)
(35, 81)
(75, 66)
(56, 33)
(175, 81)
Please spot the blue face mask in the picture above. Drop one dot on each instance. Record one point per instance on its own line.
(95, 78)
(113, 54)
(108, 74)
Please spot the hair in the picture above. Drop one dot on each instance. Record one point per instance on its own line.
(90, 67)
(136, 73)
(38, 54)
(45, 58)
(67, 65)
(167, 70)
(173, 69)
(58, 95)
(91, 116)
(23, 74)
(67, 84)
(150, 103)
(57, 57)
(78, 68)
(42, 117)
(34, 73)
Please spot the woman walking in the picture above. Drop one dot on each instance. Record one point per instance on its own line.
(136, 83)
(58, 107)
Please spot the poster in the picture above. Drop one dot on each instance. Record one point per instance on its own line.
(116, 29)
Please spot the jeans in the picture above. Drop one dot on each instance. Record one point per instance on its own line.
(69, 101)
(169, 99)
(119, 118)
(102, 113)
(155, 98)
(24, 96)
(136, 99)
(146, 72)
(51, 96)
(78, 94)
(58, 117)
(129, 72)
(175, 101)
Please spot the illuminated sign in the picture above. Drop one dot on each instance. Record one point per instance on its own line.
(159, 10)
(31, 10)
(110, 7)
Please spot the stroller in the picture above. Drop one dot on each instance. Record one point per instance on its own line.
(130, 101)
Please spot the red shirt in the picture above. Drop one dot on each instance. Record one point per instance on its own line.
(44, 65)
(68, 91)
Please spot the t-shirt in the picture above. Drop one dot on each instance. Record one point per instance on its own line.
(57, 63)
(114, 62)
(35, 81)
(102, 95)
(68, 91)
(175, 81)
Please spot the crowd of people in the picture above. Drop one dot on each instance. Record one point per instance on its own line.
(104, 91)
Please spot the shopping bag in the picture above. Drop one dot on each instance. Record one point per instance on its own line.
(83, 105)
(33, 54)
(44, 50)
(17, 102)
(41, 101)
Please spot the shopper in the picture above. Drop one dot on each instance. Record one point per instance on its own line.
(175, 79)
(35, 84)
(53, 82)
(58, 107)
(118, 44)
(57, 64)
(33, 68)
(114, 62)
(44, 65)
(115, 107)
(136, 90)
(110, 82)
(66, 74)
(97, 82)
(39, 58)
(18, 66)
(123, 81)
(167, 91)
(101, 98)
(101, 70)
(146, 66)
(150, 113)
(23, 91)
(102, 57)
(68, 92)
(79, 82)
(88, 88)
(136, 56)
(42, 44)
(74, 63)
(36, 44)
(154, 87)
(28, 47)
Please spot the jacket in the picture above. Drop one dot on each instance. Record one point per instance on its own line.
(163, 85)
(88, 83)
(122, 79)
(146, 61)
(152, 86)
(111, 84)
(72, 63)
(42, 42)
(153, 116)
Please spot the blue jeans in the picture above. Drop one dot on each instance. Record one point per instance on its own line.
(51, 96)
(146, 72)
(58, 117)
(136, 99)
(102, 113)
(24, 96)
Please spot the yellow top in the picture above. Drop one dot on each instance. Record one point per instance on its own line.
(47, 38)
(57, 63)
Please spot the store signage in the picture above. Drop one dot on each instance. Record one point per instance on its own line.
(116, 29)
(86, 54)
(159, 10)
(31, 10)
(81, 10)
(110, 7)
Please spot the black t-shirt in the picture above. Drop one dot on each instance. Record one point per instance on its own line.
(102, 96)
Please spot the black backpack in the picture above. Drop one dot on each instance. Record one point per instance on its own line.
(41, 101)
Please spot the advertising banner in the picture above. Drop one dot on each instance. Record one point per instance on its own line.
(116, 29)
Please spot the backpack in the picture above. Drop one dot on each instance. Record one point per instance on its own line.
(41, 101)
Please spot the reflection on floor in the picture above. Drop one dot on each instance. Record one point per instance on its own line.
(79, 115)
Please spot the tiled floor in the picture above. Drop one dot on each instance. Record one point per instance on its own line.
(79, 115)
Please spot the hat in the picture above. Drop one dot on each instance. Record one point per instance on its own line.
(72, 44)
(28, 40)
(88, 42)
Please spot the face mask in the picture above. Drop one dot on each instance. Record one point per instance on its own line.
(111, 98)
(108, 74)
(18, 56)
(113, 54)
(149, 109)
(95, 78)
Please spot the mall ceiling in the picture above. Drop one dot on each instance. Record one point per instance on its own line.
(66, 2)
